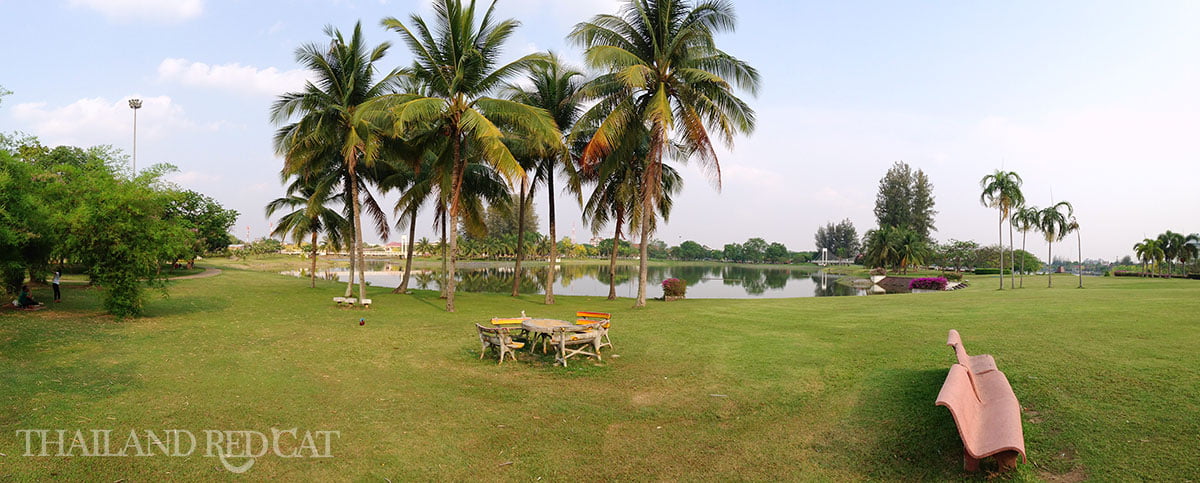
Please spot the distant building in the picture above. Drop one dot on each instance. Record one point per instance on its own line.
(395, 247)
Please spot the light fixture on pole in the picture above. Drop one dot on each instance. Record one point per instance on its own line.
(135, 104)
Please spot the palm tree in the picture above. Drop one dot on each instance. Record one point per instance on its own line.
(556, 88)
(615, 198)
(1025, 218)
(424, 247)
(1073, 226)
(310, 216)
(1172, 245)
(1054, 226)
(456, 59)
(1002, 190)
(1190, 250)
(662, 71)
(910, 248)
(334, 124)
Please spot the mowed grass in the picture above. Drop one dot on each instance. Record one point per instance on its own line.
(838, 388)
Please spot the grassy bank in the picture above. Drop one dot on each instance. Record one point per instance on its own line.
(819, 388)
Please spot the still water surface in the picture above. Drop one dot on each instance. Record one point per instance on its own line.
(704, 281)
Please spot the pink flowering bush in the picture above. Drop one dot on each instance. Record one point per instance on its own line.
(674, 287)
(936, 283)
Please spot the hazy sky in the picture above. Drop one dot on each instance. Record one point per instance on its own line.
(1096, 102)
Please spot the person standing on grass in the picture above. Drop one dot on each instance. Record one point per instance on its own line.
(57, 280)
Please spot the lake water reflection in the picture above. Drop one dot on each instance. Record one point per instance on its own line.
(704, 281)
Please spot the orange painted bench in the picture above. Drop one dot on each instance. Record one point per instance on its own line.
(986, 412)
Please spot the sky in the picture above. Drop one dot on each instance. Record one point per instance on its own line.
(1091, 102)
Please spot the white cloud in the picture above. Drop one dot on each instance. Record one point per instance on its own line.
(94, 121)
(192, 178)
(160, 10)
(233, 77)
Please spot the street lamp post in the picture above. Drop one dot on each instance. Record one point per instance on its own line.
(135, 104)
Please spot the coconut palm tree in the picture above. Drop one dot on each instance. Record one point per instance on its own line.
(1002, 190)
(330, 117)
(556, 88)
(424, 247)
(456, 58)
(1053, 223)
(310, 216)
(1025, 218)
(615, 198)
(662, 71)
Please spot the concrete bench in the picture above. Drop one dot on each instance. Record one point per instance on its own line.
(350, 301)
(987, 415)
(979, 364)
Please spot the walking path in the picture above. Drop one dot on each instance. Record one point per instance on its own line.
(208, 272)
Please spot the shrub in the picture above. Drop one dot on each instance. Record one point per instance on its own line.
(991, 271)
(674, 287)
(953, 276)
(879, 271)
(936, 283)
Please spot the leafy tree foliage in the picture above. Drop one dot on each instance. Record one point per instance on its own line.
(905, 200)
(841, 239)
(206, 219)
(690, 250)
(79, 205)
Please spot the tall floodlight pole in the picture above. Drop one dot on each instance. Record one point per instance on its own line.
(135, 104)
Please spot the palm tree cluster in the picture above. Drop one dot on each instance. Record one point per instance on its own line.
(1002, 190)
(1167, 249)
(457, 130)
(895, 247)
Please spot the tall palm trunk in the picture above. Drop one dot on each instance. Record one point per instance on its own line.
(1079, 240)
(612, 261)
(1023, 257)
(445, 266)
(1050, 258)
(412, 232)
(358, 250)
(1000, 230)
(516, 288)
(312, 274)
(644, 253)
(553, 239)
(456, 193)
(1012, 260)
(350, 281)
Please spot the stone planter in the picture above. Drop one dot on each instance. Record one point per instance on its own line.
(924, 290)
(672, 298)
(877, 278)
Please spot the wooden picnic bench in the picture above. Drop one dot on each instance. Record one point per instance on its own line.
(605, 319)
(984, 409)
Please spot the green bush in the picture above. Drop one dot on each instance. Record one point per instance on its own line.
(991, 271)
(953, 276)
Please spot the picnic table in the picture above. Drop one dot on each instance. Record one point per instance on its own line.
(569, 339)
(541, 329)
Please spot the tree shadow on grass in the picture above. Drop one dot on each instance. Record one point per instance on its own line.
(896, 432)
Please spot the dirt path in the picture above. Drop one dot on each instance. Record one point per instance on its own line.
(208, 272)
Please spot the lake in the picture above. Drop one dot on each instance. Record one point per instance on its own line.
(704, 281)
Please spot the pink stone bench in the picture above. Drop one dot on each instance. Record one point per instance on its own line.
(984, 409)
(978, 364)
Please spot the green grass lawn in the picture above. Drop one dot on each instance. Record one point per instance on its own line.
(838, 388)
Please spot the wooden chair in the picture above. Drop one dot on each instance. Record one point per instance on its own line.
(605, 322)
(513, 323)
(572, 341)
(499, 338)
